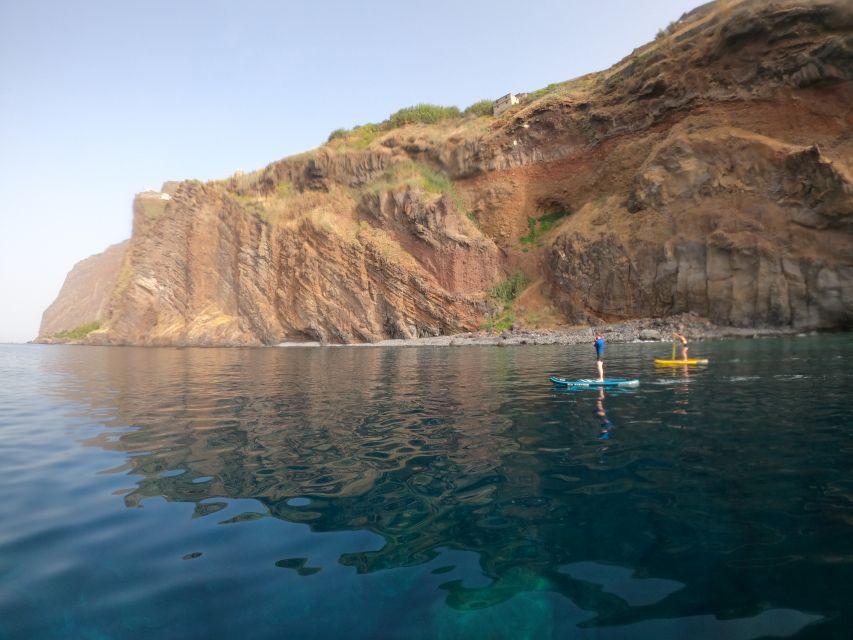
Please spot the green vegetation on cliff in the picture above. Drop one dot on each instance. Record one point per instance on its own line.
(435, 181)
(504, 295)
(538, 227)
(480, 108)
(362, 135)
(507, 291)
(77, 333)
(422, 114)
(416, 175)
(338, 133)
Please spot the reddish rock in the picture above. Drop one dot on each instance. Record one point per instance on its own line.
(707, 173)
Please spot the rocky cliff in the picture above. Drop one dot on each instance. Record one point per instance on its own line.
(85, 295)
(710, 171)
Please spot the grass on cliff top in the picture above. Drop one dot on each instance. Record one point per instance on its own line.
(422, 113)
(361, 136)
(480, 109)
(77, 333)
(544, 91)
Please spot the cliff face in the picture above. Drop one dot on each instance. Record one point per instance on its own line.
(315, 259)
(85, 294)
(710, 171)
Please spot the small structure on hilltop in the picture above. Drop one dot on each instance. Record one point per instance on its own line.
(151, 194)
(505, 102)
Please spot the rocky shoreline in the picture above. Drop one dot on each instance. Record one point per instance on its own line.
(638, 330)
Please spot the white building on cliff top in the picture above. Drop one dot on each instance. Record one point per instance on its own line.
(505, 102)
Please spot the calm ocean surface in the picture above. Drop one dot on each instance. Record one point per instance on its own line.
(426, 493)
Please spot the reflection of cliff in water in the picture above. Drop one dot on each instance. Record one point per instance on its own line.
(380, 439)
(383, 439)
(429, 448)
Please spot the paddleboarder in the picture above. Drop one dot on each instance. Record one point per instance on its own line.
(599, 355)
(678, 336)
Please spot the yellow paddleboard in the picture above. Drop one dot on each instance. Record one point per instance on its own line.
(678, 362)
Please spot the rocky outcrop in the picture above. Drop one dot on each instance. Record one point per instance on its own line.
(759, 234)
(707, 173)
(732, 279)
(210, 270)
(742, 52)
(85, 294)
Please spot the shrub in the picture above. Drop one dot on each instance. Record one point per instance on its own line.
(435, 181)
(422, 113)
(507, 291)
(662, 33)
(549, 220)
(500, 322)
(439, 182)
(480, 108)
(537, 227)
(365, 134)
(338, 133)
(78, 333)
(504, 293)
(360, 136)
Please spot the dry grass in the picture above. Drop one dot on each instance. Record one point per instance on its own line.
(387, 247)
(327, 219)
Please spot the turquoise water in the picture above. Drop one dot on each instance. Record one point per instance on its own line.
(426, 493)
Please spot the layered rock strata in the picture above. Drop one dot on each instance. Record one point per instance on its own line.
(709, 172)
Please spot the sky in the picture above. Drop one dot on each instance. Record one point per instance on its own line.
(102, 99)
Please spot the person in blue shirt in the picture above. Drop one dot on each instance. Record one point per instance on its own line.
(599, 355)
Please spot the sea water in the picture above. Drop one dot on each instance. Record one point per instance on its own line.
(426, 492)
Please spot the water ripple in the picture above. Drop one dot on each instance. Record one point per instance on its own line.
(424, 493)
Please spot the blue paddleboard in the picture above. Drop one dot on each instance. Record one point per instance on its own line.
(592, 382)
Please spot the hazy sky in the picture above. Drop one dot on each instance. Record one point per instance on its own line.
(102, 99)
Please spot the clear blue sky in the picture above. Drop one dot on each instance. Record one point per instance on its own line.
(101, 99)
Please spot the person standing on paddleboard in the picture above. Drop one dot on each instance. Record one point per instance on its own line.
(683, 345)
(599, 355)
